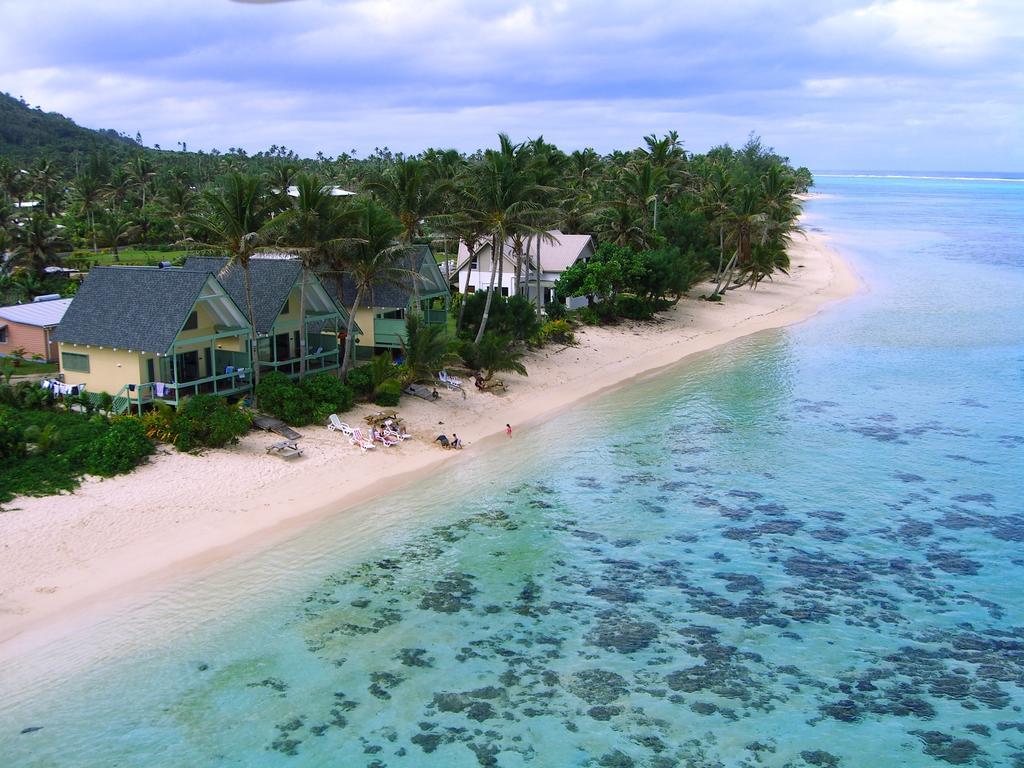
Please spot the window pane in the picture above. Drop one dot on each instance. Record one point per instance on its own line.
(75, 362)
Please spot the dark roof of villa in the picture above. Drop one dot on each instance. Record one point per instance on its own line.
(138, 308)
(386, 294)
(272, 281)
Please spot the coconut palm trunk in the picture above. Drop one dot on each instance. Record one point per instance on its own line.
(254, 344)
(497, 246)
(540, 299)
(302, 322)
(346, 362)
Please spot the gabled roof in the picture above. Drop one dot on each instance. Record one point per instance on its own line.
(272, 281)
(44, 314)
(138, 308)
(554, 257)
(432, 283)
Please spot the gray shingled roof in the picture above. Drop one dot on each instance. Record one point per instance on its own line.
(139, 308)
(385, 295)
(272, 281)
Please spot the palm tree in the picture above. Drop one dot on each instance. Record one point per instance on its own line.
(116, 228)
(37, 244)
(370, 258)
(313, 226)
(409, 189)
(141, 173)
(424, 348)
(86, 192)
(45, 176)
(236, 220)
(494, 354)
(504, 200)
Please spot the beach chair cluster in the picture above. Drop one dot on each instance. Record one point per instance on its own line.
(389, 435)
(449, 381)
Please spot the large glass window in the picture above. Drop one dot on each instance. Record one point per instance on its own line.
(74, 361)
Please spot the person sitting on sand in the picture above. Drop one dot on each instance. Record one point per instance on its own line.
(443, 440)
(434, 395)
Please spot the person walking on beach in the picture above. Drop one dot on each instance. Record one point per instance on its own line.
(508, 430)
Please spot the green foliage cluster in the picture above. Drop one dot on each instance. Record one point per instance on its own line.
(558, 331)
(303, 402)
(12, 439)
(493, 354)
(621, 282)
(379, 380)
(205, 421)
(45, 450)
(122, 446)
(514, 316)
(388, 393)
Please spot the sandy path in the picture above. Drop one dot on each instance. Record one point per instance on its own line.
(73, 553)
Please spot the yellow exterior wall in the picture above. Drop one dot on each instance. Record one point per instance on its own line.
(109, 370)
(364, 319)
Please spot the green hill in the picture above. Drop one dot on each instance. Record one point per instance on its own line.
(26, 134)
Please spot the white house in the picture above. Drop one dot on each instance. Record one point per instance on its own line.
(473, 270)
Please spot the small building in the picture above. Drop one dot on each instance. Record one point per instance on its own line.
(473, 270)
(30, 327)
(381, 318)
(145, 334)
(277, 290)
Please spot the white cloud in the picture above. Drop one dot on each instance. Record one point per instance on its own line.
(852, 80)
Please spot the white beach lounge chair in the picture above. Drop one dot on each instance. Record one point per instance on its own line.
(362, 442)
(449, 381)
(337, 425)
(387, 440)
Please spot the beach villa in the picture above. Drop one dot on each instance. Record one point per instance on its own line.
(473, 270)
(381, 318)
(30, 327)
(277, 293)
(145, 334)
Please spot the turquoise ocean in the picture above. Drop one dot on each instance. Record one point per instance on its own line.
(805, 548)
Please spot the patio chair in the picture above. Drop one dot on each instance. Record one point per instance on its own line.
(337, 425)
(358, 439)
(387, 440)
(449, 381)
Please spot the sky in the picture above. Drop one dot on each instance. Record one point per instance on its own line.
(834, 84)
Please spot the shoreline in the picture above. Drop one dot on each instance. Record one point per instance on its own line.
(70, 559)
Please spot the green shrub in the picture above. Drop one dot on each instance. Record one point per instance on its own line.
(327, 395)
(360, 380)
(389, 393)
(106, 402)
(556, 310)
(283, 398)
(120, 449)
(634, 308)
(12, 440)
(208, 421)
(559, 331)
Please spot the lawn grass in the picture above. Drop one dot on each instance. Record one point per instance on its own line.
(28, 367)
(130, 256)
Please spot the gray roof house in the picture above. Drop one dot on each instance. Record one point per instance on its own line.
(383, 311)
(276, 287)
(144, 334)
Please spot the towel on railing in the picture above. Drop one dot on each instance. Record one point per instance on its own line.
(160, 388)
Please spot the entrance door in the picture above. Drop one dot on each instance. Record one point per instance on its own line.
(188, 366)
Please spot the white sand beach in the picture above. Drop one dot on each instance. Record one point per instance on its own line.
(70, 555)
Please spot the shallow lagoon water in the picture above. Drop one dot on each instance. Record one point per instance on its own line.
(803, 549)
